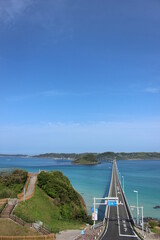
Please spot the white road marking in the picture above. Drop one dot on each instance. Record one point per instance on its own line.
(125, 235)
(125, 227)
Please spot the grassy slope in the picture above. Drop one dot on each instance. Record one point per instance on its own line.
(9, 228)
(42, 208)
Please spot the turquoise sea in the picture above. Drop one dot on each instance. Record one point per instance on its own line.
(93, 181)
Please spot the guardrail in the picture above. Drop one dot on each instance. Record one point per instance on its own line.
(100, 224)
(36, 226)
(126, 203)
(106, 211)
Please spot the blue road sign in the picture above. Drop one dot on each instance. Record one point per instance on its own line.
(112, 203)
(82, 232)
(92, 210)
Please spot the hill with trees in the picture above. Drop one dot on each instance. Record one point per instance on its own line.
(12, 183)
(88, 159)
(55, 203)
(105, 156)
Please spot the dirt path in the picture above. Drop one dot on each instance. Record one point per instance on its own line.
(31, 185)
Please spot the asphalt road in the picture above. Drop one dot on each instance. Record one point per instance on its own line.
(118, 222)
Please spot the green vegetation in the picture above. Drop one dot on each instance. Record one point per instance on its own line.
(55, 203)
(88, 159)
(154, 226)
(58, 187)
(58, 155)
(13, 155)
(128, 156)
(9, 228)
(106, 156)
(12, 183)
(1, 207)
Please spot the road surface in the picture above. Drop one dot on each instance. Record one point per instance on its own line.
(118, 222)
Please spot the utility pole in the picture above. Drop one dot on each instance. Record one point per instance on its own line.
(135, 191)
(94, 210)
(142, 223)
(132, 208)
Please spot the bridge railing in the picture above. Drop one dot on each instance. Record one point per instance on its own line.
(126, 202)
(106, 212)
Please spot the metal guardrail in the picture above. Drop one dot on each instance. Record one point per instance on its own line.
(100, 224)
(106, 211)
(126, 202)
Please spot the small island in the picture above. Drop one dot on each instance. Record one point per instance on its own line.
(156, 207)
(88, 159)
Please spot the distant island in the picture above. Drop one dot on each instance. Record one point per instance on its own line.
(88, 159)
(106, 156)
(13, 155)
(59, 155)
(94, 158)
(129, 156)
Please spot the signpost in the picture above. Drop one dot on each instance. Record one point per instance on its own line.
(82, 233)
(109, 201)
(112, 203)
(94, 214)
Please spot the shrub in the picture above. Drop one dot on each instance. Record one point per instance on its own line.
(12, 183)
(58, 187)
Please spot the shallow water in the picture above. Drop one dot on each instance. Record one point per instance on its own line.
(93, 181)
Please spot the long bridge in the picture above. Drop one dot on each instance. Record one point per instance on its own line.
(119, 222)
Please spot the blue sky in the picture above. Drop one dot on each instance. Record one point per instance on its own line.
(79, 75)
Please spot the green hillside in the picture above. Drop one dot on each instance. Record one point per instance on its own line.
(55, 203)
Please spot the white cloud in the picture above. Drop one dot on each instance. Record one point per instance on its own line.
(48, 93)
(11, 9)
(152, 90)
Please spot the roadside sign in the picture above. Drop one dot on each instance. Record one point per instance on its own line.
(112, 203)
(94, 216)
(82, 232)
(96, 210)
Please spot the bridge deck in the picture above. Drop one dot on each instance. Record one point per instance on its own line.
(118, 222)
